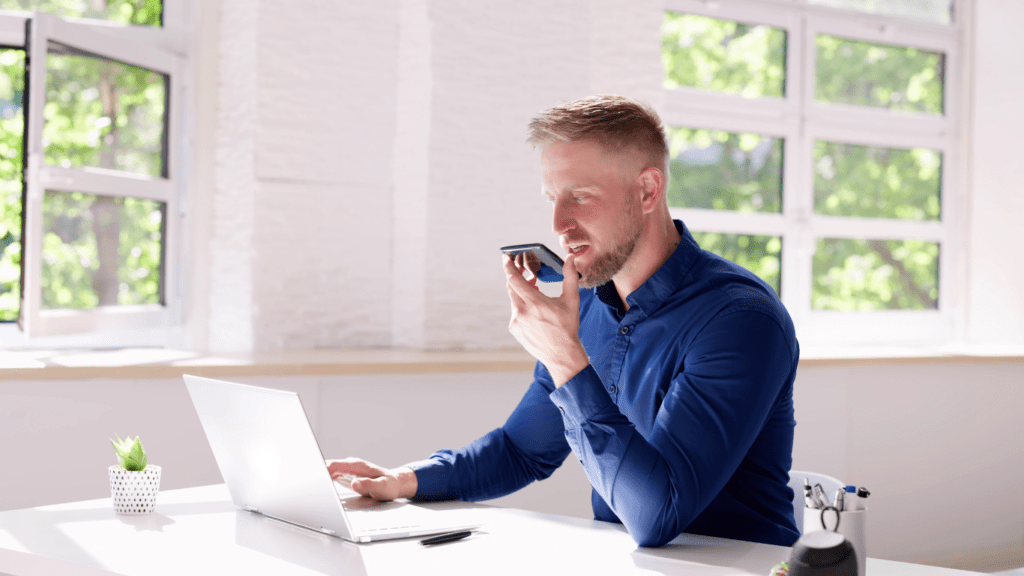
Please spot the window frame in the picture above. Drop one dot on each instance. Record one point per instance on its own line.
(801, 120)
(163, 50)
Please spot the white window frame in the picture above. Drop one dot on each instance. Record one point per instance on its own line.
(800, 120)
(163, 50)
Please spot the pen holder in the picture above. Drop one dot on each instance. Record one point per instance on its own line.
(852, 525)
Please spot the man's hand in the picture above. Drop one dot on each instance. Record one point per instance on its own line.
(372, 480)
(548, 328)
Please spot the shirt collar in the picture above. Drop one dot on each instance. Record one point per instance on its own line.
(656, 289)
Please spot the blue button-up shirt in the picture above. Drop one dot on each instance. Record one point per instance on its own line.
(683, 421)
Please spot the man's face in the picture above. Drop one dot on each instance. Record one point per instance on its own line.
(596, 206)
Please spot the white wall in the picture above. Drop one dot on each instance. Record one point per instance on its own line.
(370, 161)
(996, 258)
(300, 238)
(938, 444)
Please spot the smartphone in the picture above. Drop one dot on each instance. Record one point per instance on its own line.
(550, 265)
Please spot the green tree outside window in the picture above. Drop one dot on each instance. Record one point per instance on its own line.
(718, 170)
(98, 113)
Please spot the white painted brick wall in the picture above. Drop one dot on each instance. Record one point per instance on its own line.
(373, 160)
(625, 49)
(302, 232)
(995, 258)
(495, 65)
(324, 162)
(410, 207)
(232, 235)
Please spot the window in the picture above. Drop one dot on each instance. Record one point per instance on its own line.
(90, 166)
(814, 143)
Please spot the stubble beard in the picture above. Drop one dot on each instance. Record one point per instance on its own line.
(606, 266)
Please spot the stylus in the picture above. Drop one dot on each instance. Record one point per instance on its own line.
(451, 537)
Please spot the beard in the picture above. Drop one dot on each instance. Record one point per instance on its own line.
(607, 265)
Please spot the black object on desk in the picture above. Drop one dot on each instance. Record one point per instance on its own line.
(450, 537)
(823, 552)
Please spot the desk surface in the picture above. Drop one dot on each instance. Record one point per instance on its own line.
(199, 531)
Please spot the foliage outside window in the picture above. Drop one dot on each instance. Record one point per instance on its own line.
(138, 12)
(12, 89)
(872, 74)
(854, 155)
(725, 56)
(759, 254)
(100, 246)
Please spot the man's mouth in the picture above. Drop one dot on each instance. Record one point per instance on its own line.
(577, 248)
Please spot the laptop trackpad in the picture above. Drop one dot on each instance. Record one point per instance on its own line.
(358, 503)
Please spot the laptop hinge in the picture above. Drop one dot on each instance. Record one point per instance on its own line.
(327, 531)
(250, 508)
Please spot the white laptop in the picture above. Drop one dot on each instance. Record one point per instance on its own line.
(273, 466)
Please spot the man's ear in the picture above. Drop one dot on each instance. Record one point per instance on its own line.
(652, 186)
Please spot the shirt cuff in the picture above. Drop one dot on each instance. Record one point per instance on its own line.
(432, 476)
(582, 397)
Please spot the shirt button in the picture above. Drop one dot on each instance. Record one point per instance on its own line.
(562, 409)
(625, 330)
(612, 388)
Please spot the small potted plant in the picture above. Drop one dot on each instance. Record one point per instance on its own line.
(133, 483)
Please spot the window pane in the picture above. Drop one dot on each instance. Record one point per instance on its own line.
(880, 75)
(103, 113)
(864, 275)
(940, 11)
(762, 255)
(724, 171)
(875, 182)
(142, 12)
(101, 251)
(12, 87)
(722, 55)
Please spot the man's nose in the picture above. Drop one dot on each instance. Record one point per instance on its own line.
(562, 219)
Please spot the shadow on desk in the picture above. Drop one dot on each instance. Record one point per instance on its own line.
(313, 551)
(706, 555)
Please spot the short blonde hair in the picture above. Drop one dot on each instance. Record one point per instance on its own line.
(614, 121)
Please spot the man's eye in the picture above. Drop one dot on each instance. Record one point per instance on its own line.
(579, 199)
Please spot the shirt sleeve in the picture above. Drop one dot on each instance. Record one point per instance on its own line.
(712, 412)
(530, 446)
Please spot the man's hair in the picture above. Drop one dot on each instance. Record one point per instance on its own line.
(614, 121)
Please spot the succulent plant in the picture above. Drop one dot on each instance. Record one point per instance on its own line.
(130, 455)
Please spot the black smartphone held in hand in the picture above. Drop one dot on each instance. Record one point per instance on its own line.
(539, 258)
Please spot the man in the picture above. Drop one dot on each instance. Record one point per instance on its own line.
(666, 370)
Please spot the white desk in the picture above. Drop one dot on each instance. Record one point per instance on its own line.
(199, 531)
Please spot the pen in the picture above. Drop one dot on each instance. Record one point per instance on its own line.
(450, 537)
(809, 495)
(862, 494)
(819, 496)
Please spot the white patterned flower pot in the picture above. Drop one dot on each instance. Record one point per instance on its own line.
(134, 492)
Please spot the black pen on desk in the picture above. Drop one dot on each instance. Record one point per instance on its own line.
(450, 537)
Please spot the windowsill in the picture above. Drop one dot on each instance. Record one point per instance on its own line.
(164, 363)
(142, 363)
(854, 355)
